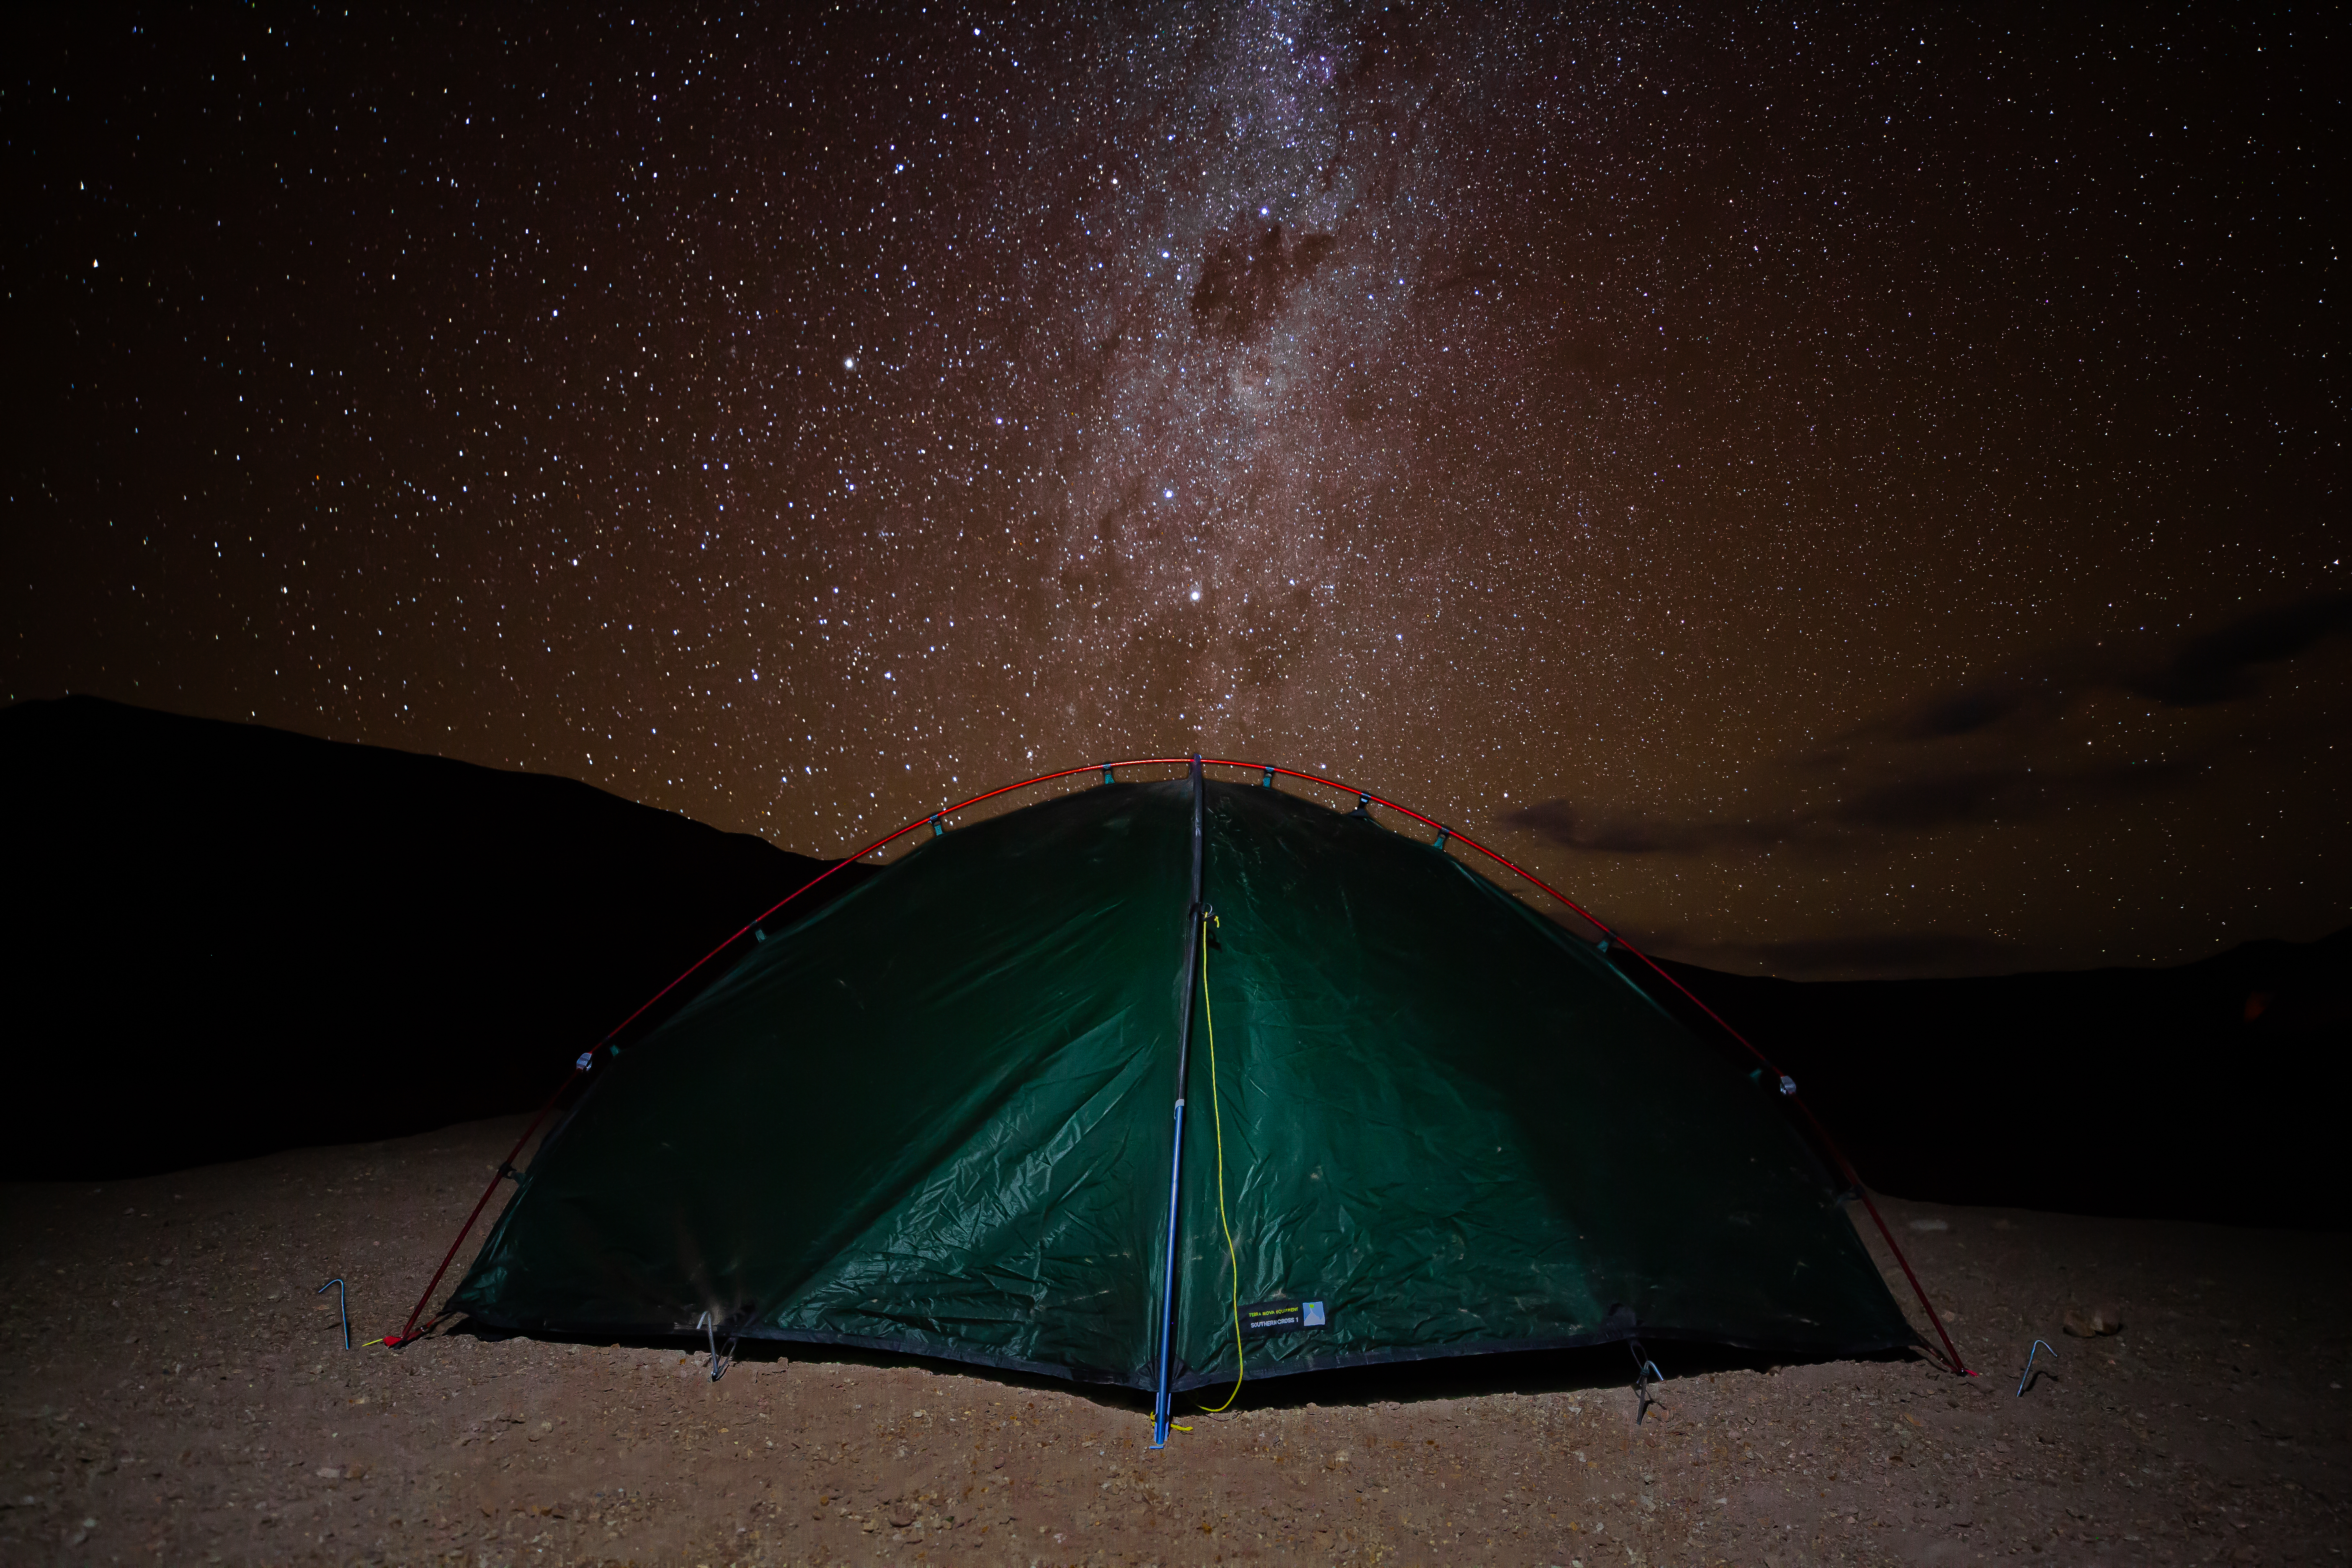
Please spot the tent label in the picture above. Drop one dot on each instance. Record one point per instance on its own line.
(1278, 1317)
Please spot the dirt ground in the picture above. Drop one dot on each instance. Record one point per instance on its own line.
(174, 1392)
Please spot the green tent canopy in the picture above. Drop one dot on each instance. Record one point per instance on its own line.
(938, 1116)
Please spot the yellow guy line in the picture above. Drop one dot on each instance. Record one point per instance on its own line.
(1217, 1108)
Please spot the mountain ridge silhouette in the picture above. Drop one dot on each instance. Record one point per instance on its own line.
(222, 940)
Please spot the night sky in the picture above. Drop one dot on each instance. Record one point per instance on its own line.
(1845, 493)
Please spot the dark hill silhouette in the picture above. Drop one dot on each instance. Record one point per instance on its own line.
(2213, 1090)
(223, 940)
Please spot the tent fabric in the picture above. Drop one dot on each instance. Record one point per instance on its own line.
(936, 1117)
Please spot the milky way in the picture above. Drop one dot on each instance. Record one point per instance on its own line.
(1843, 494)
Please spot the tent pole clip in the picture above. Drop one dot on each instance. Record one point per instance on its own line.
(2025, 1377)
(1268, 780)
(1787, 1084)
(509, 1172)
(937, 831)
(1444, 833)
(1645, 1373)
(1107, 778)
(343, 1299)
(582, 1062)
(1363, 807)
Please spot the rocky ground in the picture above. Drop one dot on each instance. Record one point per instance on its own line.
(174, 1392)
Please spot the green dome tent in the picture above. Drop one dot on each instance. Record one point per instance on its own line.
(940, 1115)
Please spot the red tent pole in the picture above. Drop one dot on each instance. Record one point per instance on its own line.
(407, 1329)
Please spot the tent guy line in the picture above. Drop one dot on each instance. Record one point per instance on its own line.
(1268, 771)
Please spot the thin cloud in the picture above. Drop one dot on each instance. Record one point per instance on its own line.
(1919, 794)
(2207, 668)
(1562, 822)
(1854, 954)
(1970, 709)
(1902, 952)
(2218, 666)
(1919, 802)
(1948, 798)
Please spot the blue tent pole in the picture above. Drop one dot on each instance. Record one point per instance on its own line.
(1160, 1411)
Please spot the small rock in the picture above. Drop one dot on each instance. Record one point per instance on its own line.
(2090, 1322)
(1928, 1225)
